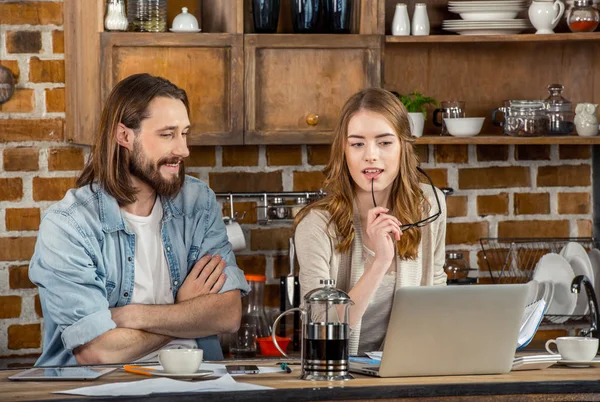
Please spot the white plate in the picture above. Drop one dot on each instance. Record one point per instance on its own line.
(532, 292)
(579, 364)
(485, 23)
(580, 267)
(573, 249)
(197, 374)
(594, 255)
(485, 3)
(184, 31)
(487, 15)
(485, 31)
(555, 269)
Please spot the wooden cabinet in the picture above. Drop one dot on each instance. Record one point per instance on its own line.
(296, 85)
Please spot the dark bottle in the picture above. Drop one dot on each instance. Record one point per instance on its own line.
(266, 15)
(337, 15)
(305, 15)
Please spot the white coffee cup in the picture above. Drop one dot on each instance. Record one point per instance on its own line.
(180, 361)
(574, 348)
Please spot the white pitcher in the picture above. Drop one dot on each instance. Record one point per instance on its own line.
(545, 14)
(401, 23)
(586, 119)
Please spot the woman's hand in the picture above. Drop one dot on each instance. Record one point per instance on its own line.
(383, 231)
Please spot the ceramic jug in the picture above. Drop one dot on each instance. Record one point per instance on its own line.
(401, 22)
(586, 119)
(545, 14)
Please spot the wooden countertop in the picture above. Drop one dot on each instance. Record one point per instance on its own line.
(563, 382)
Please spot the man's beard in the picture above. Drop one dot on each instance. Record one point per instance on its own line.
(149, 173)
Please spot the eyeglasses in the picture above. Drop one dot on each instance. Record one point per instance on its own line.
(423, 222)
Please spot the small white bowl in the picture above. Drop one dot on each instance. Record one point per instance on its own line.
(180, 361)
(464, 126)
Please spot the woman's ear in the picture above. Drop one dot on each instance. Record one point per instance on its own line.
(124, 136)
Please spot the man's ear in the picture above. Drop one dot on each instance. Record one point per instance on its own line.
(125, 136)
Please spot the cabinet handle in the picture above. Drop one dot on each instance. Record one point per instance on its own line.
(312, 119)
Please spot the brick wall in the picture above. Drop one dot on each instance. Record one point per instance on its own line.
(500, 190)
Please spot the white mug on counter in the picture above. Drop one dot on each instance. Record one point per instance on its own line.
(574, 348)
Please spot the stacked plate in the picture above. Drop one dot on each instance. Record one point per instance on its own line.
(487, 17)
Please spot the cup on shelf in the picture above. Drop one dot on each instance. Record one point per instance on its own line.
(574, 348)
(449, 109)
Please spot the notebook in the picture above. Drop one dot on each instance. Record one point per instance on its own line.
(450, 330)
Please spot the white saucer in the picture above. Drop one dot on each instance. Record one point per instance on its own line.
(579, 364)
(197, 374)
(184, 31)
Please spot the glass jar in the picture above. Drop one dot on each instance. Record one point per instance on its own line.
(254, 324)
(456, 267)
(278, 209)
(526, 118)
(583, 16)
(147, 15)
(559, 111)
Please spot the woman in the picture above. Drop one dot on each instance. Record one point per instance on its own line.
(379, 227)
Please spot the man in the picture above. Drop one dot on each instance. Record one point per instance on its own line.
(136, 258)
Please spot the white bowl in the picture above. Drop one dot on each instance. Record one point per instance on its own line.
(180, 361)
(464, 126)
(185, 22)
(488, 15)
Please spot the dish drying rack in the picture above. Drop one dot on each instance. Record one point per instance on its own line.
(513, 260)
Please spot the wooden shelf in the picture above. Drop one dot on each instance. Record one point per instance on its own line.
(560, 37)
(506, 140)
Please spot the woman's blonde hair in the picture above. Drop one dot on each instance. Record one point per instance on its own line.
(407, 201)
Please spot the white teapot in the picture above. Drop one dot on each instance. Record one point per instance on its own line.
(545, 14)
(586, 119)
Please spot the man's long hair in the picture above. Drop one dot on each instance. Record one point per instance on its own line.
(108, 164)
(406, 195)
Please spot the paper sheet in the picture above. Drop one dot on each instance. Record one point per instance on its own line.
(163, 385)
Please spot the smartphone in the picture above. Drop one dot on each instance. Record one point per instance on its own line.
(242, 369)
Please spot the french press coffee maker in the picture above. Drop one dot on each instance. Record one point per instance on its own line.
(325, 333)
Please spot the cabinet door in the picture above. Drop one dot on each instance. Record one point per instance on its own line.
(296, 85)
(207, 66)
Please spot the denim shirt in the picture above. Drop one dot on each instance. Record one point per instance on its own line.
(84, 260)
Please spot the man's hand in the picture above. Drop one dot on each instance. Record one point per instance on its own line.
(206, 277)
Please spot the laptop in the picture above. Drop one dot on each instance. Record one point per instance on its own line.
(451, 330)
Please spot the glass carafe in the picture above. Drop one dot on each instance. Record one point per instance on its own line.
(253, 306)
(559, 111)
(325, 333)
(525, 118)
(147, 15)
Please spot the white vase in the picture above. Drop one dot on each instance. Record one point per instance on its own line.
(544, 15)
(420, 21)
(586, 119)
(401, 23)
(115, 19)
(417, 122)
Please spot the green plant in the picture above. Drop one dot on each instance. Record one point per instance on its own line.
(415, 102)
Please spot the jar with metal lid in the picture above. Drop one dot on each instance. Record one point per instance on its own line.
(583, 17)
(559, 111)
(526, 118)
(455, 266)
(278, 209)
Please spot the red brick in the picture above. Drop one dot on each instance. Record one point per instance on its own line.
(51, 188)
(492, 153)
(465, 233)
(451, 153)
(532, 203)
(10, 306)
(65, 159)
(574, 152)
(22, 101)
(38, 306)
(564, 176)
(308, 181)
(18, 277)
(456, 205)
(271, 239)
(16, 248)
(22, 218)
(32, 13)
(422, 152)
(201, 157)
(11, 189)
(31, 130)
(318, 154)
(574, 203)
(495, 204)
(280, 155)
(239, 182)
(240, 155)
(494, 177)
(13, 66)
(21, 159)
(23, 41)
(55, 100)
(584, 228)
(245, 209)
(58, 41)
(46, 70)
(533, 228)
(24, 336)
(255, 264)
(438, 176)
(532, 152)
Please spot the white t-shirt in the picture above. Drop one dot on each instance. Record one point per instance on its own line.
(152, 280)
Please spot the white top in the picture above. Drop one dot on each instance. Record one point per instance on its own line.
(152, 280)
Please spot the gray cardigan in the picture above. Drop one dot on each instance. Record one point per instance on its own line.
(318, 258)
